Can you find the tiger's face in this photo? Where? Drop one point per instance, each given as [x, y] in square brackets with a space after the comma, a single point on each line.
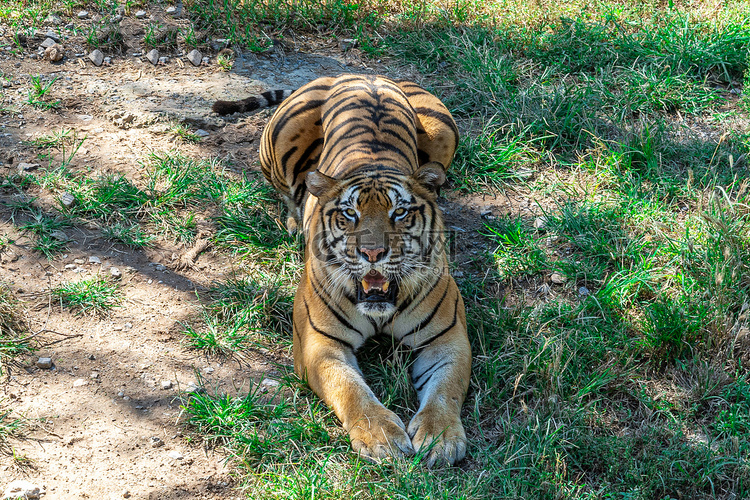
[380, 236]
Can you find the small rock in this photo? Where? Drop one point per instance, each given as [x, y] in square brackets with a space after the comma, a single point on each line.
[126, 494]
[21, 488]
[140, 14]
[540, 223]
[92, 357]
[192, 387]
[201, 133]
[127, 326]
[583, 291]
[557, 278]
[83, 14]
[171, 10]
[25, 167]
[205, 61]
[59, 235]
[96, 57]
[348, 43]
[195, 57]
[208, 369]
[153, 56]
[115, 272]
[137, 53]
[48, 42]
[121, 394]
[107, 61]
[116, 18]
[54, 53]
[163, 61]
[94, 375]
[95, 260]
[176, 455]
[67, 199]
[51, 34]
[79, 261]
[486, 213]
[166, 384]
[80, 382]
[156, 442]
[70, 266]
[44, 363]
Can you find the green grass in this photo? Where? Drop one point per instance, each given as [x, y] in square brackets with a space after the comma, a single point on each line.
[38, 94]
[14, 333]
[94, 295]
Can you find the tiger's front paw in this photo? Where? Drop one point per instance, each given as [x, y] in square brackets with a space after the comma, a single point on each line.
[440, 436]
[380, 434]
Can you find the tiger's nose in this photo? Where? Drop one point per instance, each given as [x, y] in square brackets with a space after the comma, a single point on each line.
[373, 254]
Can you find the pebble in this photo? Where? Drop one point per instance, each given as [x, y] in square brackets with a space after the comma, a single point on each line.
[107, 61]
[156, 442]
[126, 494]
[153, 56]
[25, 167]
[121, 394]
[115, 272]
[80, 382]
[163, 60]
[96, 57]
[48, 42]
[67, 199]
[208, 369]
[195, 57]
[192, 387]
[176, 455]
[54, 53]
[95, 260]
[79, 261]
[51, 34]
[171, 10]
[116, 18]
[128, 326]
[166, 384]
[583, 291]
[201, 133]
[540, 223]
[205, 61]
[20, 488]
[94, 375]
[83, 14]
[70, 266]
[557, 278]
[140, 14]
[348, 43]
[44, 363]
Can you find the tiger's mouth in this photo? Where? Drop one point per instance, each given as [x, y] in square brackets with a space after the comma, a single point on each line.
[374, 287]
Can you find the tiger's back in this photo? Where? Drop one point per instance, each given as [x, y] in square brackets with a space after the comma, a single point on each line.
[337, 124]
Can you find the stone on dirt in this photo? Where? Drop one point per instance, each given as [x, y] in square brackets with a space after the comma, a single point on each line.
[47, 43]
[153, 56]
[54, 53]
[166, 384]
[44, 363]
[176, 455]
[51, 34]
[80, 382]
[67, 199]
[83, 14]
[156, 442]
[195, 57]
[97, 57]
[115, 272]
[20, 488]
[140, 14]
[25, 167]
[557, 278]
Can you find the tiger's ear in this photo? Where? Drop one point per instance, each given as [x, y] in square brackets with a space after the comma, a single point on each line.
[319, 184]
[431, 175]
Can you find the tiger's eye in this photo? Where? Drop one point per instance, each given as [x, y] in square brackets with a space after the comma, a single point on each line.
[399, 212]
[351, 212]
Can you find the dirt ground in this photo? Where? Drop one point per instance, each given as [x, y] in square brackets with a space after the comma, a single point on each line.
[114, 387]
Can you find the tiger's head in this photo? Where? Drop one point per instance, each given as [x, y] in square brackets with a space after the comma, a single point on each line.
[379, 234]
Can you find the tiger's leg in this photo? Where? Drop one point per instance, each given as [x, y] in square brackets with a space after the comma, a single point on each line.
[331, 371]
[440, 375]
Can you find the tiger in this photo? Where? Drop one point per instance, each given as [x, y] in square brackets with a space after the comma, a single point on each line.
[359, 161]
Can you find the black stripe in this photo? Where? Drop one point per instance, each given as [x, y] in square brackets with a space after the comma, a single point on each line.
[425, 381]
[318, 330]
[443, 332]
[305, 162]
[291, 114]
[429, 317]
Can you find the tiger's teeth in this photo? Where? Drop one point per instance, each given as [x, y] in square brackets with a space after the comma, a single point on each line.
[385, 286]
[365, 286]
